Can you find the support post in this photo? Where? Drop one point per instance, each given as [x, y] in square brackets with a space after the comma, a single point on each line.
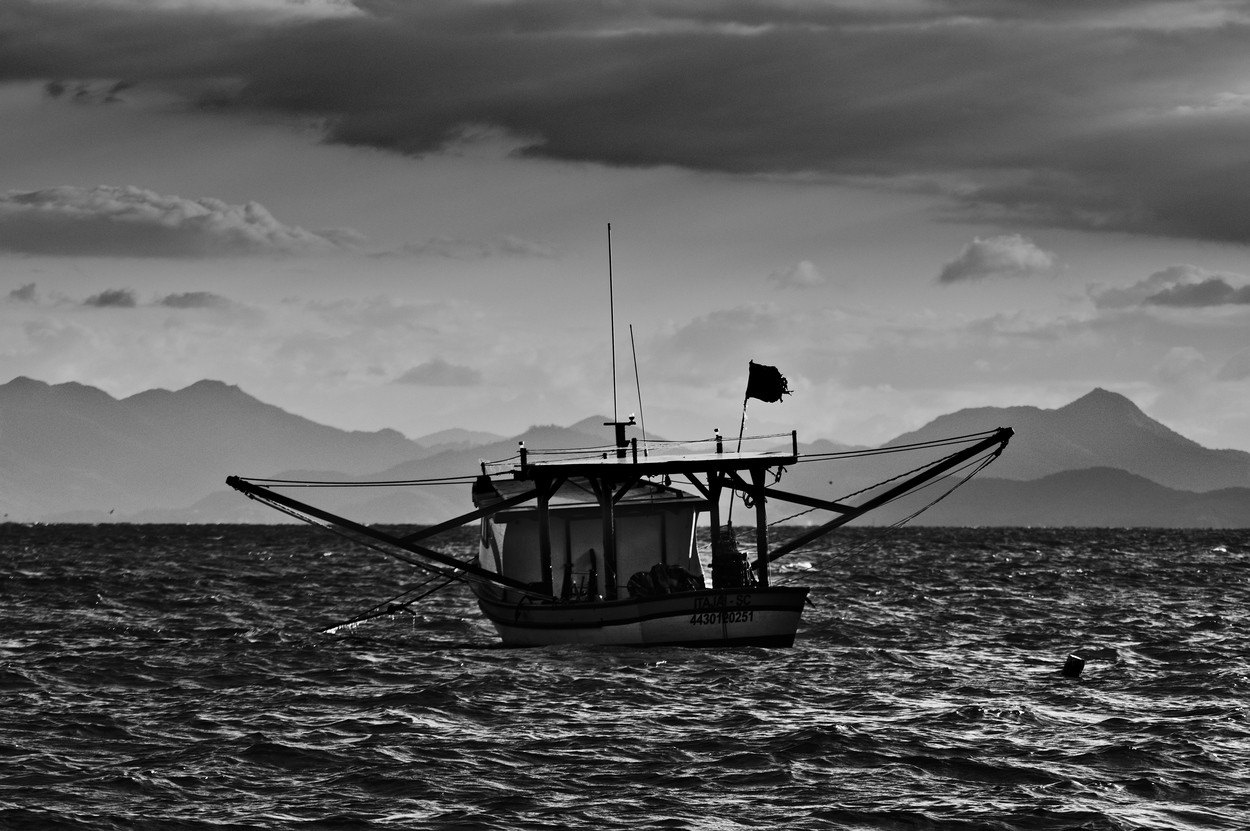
[603, 490]
[544, 536]
[713, 515]
[761, 526]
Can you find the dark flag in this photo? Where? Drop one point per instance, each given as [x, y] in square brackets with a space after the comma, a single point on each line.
[766, 383]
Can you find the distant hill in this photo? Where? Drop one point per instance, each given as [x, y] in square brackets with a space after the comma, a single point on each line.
[435, 504]
[457, 439]
[70, 448]
[1087, 441]
[1100, 429]
[71, 452]
[1095, 497]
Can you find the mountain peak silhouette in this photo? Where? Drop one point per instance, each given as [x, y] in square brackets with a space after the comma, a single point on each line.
[74, 451]
[1102, 401]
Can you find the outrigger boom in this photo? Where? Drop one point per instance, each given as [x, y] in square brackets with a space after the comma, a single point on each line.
[407, 543]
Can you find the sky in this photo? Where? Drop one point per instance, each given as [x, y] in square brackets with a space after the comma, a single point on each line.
[395, 214]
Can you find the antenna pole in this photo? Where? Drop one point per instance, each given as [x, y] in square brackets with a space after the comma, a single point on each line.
[612, 323]
[642, 419]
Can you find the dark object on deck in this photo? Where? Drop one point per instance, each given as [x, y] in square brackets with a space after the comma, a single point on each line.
[730, 568]
[662, 579]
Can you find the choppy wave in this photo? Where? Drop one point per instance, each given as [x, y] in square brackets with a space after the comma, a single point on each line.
[178, 678]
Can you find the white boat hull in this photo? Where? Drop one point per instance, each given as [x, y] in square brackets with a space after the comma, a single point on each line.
[711, 617]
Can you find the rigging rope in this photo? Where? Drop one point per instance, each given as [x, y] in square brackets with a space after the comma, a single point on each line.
[985, 461]
[895, 448]
[390, 606]
[981, 464]
[451, 574]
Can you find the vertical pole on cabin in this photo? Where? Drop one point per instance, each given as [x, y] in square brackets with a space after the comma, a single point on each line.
[544, 535]
[664, 537]
[603, 489]
[761, 526]
[566, 589]
[713, 513]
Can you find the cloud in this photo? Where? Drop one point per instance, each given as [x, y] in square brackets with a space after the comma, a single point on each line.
[1181, 286]
[803, 275]
[1214, 291]
[1237, 367]
[1125, 117]
[131, 222]
[440, 373]
[468, 249]
[1138, 293]
[86, 92]
[113, 299]
[25, 294]
[272, 8]
[1003, 256]
[1181, 365]
[717, 346]
[196, 300]
[129, 299]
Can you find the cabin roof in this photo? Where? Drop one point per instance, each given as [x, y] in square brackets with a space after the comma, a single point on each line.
[620, 468]
[577, 492]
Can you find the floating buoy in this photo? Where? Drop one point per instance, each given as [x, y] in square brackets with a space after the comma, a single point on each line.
[1072, 668]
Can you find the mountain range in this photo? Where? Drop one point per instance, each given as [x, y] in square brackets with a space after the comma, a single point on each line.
[73, 453]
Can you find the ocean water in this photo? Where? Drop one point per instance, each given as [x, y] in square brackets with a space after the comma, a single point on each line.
[156, 677]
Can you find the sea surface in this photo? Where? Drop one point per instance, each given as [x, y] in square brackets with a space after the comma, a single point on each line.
[177, 677]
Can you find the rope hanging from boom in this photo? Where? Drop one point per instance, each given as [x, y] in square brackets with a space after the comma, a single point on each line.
[390, 606]
[978, 465]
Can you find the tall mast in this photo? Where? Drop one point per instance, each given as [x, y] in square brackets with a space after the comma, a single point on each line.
[612, 324]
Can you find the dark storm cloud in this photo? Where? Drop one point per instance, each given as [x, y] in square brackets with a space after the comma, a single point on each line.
[1127, 116]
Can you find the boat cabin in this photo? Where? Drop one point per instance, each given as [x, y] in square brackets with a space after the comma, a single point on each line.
[654, 525]
[611, 525]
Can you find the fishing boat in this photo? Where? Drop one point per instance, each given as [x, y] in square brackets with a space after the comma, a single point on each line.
[599, 545]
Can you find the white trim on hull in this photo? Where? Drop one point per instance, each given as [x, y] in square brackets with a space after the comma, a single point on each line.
[712, 617]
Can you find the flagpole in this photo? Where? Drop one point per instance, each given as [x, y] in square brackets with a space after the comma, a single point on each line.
[742, 426]
[741, 429]
[642, 418]
[765, 383]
